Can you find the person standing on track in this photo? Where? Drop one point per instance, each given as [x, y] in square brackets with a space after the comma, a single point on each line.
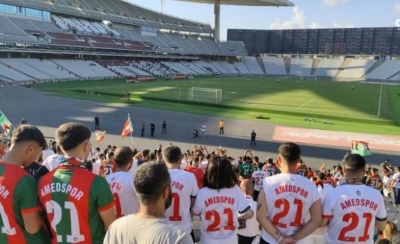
[142, 129]
[221, 127]
[96, 122]
[152, 129]
[253, 138]
[286, 199]
[352, 211]
[164, 127]
[79, 204]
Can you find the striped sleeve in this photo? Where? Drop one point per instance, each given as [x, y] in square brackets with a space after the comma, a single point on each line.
[105, 199]
[26, 193]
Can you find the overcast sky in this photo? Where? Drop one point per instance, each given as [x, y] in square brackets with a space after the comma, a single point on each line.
[305, 14]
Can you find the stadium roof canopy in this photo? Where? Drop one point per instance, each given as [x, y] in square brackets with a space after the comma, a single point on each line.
[266, 3]
[256, 3]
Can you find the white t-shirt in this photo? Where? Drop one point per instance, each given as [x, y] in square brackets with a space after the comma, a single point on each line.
[184, 187]
[396, 178]
[131, 229]
[289, 199]
[53, 161]
[203, 165]
[258, 177]
[183, 164]
[352, 210]
[386, 184]
[323, 192]
[96, 167]
[219, 211]
[123, 190]
[47, 153]
[252, 227]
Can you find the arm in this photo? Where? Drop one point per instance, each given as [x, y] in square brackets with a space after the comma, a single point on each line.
[380, 225]
[313, 223]
[105, 202]
[247, 215]
[33, 221]
[205, 149]
[107, 216]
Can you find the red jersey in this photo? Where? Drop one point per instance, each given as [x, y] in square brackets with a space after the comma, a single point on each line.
[375, 181]
[18, 196]
[107, 167]
[301, 170]
[73, 198]
[329, 181]
[271, 170]
[310, 174]
[198, 173]
[319, 183]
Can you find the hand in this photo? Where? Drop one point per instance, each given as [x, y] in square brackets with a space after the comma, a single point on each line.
[288, 240]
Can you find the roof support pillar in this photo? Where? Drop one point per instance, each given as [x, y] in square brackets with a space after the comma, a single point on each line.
[217, 19]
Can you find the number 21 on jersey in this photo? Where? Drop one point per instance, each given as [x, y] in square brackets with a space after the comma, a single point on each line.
[284, 205]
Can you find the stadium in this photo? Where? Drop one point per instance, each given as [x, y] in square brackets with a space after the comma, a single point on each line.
[328, 90]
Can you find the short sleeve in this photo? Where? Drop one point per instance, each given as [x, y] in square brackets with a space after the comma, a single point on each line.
[327, 207]
[381, 214]
[316, 195]
[26, 192]
[195, 187]
[394, 177]
[241, 201]
[105, 200]
[198, 204]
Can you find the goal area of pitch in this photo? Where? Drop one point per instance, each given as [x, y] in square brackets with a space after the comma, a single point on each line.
[200, 94]
[305, 77]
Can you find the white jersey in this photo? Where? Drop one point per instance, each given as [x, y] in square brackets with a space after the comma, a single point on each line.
[289, 199]
[184, 187]
[219, 213]
[258, 177]
[396, 178]
[352, 210]
[53, 161]
[252, 227]
[47, 153]
[96, 167]
[123, 190]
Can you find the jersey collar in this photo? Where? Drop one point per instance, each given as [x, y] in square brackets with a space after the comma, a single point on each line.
[72, 162]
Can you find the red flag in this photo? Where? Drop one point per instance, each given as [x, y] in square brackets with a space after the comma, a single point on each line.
[128, 128]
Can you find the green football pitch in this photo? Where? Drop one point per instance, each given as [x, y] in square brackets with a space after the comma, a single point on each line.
[340, 106]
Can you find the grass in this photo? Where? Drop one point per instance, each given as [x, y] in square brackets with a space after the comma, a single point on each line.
[278, 101]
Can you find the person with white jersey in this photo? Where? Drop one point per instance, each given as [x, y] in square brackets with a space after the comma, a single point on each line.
[121, 183]
[258, 177]
[396, 187]
[353, 210]
[184, 190]
[219, 202]
[249, 232]
[53, 161]
[324, 189]
[285, 201]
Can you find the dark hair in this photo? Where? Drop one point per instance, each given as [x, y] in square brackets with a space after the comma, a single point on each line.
[123, 156]
[290, 152]
[260, 165]
[383, 241]
[257, 159]
[355, 162]
[150, 180]
[219, 174]
[145, 153]
[70, 135]
[110, 154]
[89, 166]
[172, 154]
[25, 133]
[321, 175]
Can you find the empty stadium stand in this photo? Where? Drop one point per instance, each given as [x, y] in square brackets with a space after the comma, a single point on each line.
[355, 68]
[85, 69]
[253, 65]
[275, 66]
[384, 71]
[301, 66]
[328, 67]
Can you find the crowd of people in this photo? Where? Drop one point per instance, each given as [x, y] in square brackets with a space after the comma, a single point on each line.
[66, 192]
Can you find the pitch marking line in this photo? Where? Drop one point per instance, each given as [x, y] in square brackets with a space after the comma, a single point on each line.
[304, 104]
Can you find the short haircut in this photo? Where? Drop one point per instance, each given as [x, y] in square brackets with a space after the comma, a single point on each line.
[71, 135]
[383, 241]
[110, 154]
[219, 174]
[256, 159]
[123, 156]
[28, 133]
[355, 162]
[290, 152]
[172, 154]
[150, 181]
[321, 175]
[145, 153]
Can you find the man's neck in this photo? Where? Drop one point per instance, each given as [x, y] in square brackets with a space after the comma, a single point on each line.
[12, 158]
[172, 166]
[151, 211]
[287, 169]
[120, 170]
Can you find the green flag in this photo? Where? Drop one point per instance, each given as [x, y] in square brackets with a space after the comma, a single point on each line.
[5, 124]
[360, 148]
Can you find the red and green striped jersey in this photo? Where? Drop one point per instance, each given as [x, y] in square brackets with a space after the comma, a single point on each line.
[73, 197]
[18, 196]
[107, 168]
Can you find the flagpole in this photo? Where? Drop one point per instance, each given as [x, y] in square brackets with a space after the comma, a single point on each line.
[129, 117]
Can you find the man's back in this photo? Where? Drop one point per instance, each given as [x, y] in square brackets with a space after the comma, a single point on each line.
[258, 177]
[107, 167]
[301, 170]
[17, 197]
[184, 187]
[352, 210]
[289, 198]
[245, 169]
[271, 170]
[121, 185]
[73, 197]
[131, 229]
